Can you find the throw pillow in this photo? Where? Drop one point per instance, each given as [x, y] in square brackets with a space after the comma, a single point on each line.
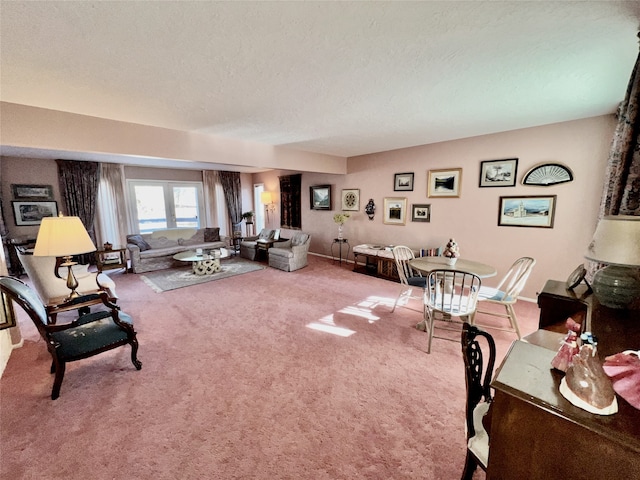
[139, 241]
[212, 234]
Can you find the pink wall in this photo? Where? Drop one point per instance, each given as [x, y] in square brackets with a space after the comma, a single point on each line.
[581, 145]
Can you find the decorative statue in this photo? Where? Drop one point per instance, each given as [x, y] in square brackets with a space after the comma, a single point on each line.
[370, 209]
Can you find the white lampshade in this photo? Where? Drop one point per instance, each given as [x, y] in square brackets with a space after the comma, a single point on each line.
[265, 198]
[616, 241]
[62, 236]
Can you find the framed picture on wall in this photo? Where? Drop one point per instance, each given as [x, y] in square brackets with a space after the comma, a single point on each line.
[395, 210]
[320, 197]
[420, 212]
[32, 192]
[499, 173]
[444, 183]
[403, 182]
[351, 199]
[527, 211]
[7, 313]
[32, 213]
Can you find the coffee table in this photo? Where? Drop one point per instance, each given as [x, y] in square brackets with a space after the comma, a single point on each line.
[204, 263]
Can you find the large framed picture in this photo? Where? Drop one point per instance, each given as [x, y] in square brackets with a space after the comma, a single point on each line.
[351, 199]
[395, 210]
[420, 212]
[527, 211]
[320, 197]
[403, 182]
[499, 173]
[32, 192]
[32, 213]
[444, 183]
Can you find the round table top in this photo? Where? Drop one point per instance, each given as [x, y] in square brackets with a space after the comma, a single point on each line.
[427, 264]
[192, 256]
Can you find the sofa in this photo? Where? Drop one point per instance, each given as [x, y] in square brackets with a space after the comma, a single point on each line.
[291, 254]
[155, 250]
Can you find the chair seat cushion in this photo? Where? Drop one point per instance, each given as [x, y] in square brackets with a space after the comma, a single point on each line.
[417, 281]
[281, 252]
[94, 331]
[479, 443]
[493, 294]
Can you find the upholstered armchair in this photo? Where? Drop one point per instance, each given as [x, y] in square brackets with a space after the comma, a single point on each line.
[249, 246]
[291, 254]
[42, 275]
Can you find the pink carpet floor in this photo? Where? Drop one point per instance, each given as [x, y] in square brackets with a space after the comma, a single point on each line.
[267, 375]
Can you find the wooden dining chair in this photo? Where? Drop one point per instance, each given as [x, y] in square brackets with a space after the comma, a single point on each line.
[450, 298]
[408, 277]
[506, 294]
[478, 367]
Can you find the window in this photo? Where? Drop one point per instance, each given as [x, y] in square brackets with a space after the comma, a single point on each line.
[161, 205]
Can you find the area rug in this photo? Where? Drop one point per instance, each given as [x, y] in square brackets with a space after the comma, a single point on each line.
[170, 279]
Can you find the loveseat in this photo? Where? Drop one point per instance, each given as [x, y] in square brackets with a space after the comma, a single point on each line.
[155, 250]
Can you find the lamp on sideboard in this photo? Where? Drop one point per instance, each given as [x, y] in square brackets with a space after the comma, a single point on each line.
[616, 243]
[267, 199]
[64, 237]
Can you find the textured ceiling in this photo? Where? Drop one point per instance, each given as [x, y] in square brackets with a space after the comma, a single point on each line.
[341, 78]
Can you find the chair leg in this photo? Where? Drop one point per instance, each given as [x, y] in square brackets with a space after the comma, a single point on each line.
[57, 383]
[470, 465]
[404, 293]
[513, 319]
[134, 354]
[429, 326]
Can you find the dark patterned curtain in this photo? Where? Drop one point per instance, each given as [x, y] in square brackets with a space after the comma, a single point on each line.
[621, 195]
[79, 190]
[233, 195]
[291, 201]
[3, 230]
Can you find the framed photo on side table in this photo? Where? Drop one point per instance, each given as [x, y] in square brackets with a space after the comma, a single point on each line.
[499, 173]
[395, 210]
[527, 211]
[420, 212]
[320, 197]
[351, 199]
[444, 183]
[32, 213]
[403, 182]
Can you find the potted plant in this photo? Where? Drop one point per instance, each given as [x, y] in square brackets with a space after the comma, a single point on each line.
[340, 218]
[248, 216]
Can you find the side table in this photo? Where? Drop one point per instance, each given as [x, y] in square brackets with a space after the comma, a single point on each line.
[111, 259]
[340, 243]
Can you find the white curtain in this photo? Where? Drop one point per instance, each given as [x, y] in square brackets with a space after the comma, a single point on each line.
[111, 214]
[215, 203]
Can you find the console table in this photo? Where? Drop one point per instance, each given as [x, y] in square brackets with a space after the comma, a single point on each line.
[536, 433]
[378, 261]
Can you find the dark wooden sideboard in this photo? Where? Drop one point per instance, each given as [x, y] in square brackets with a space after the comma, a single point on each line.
[537, 434]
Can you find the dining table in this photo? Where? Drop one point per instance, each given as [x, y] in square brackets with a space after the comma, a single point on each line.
[428, 264]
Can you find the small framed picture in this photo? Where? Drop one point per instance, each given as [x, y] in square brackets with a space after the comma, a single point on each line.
[320, 197]
[527, 211]
[351, 199]
[499, 173]
[403, 182]
[444, 183]
[32, 213]
[32, 192]
[395, 210]
[420, 212]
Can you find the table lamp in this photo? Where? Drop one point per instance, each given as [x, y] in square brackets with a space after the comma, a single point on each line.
[63, 237]
[617, 244]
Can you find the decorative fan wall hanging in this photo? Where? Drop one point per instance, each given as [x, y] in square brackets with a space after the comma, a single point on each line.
[547, 174]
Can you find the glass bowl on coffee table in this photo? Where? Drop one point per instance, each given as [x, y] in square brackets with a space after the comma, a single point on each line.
[204, 263]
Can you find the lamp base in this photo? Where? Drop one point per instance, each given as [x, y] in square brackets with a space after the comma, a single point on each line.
[72, 282]
[616, 287]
